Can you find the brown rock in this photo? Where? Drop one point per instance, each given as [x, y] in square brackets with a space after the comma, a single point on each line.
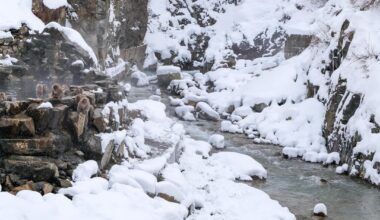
[28, 186]
[17, 126]
[29, 167]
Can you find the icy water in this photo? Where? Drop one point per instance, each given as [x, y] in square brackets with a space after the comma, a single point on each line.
[21, 88]
[294, 183]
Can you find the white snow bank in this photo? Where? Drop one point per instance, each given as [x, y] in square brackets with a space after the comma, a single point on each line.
[320, 209]
[45, 105]
[115, 203]
[185, 112]
[163, 70]
[217, 141]
[241, 166]
[75, 37]
[85, 170]
[16, 12]
[54, 4]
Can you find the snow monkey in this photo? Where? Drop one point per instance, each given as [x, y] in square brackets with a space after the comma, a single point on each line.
[57, 92]
[41, 90]
[3, 97]
[66, 90]
[84, 105]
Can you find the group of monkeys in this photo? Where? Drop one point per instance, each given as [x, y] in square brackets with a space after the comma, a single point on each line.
[58, 92]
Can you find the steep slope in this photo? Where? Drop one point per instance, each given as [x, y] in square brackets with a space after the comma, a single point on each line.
[302, 75]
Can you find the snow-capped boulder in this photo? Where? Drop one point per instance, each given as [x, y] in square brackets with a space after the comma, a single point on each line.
[165, 74]
[206, 112]
[320, 209]
[217, 141]
[185, 112]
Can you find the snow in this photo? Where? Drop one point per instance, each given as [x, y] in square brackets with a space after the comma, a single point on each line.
[141, 78]
[217, 141]
[16, 12]
[8, 61]
[242, 167]
[75, 37]
[45, 105]
[185, 112]
[319, 209]
[341, 169]
[85, 170]
[163, 70]
[54, 4]
[207, 110]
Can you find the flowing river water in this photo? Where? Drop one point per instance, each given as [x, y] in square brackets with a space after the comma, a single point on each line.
[296, 184]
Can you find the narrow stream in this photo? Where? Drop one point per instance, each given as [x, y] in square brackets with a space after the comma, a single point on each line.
[294, 183]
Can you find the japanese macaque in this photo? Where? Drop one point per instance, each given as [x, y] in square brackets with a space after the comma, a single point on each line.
[78, 91]
[66, 90]
[57, 92]
[3, 97]
[84, 106]
[41, 90]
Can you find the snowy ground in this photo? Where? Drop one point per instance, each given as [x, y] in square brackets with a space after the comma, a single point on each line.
[198, 184]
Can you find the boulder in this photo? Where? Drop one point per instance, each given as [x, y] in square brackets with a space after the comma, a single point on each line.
[259, 107]
[107, 155]
[18, 126]
[165, 74]
[295, 44]
[206, 112]
[30, 167]
[92, 147]
[41, 117]
[58, 114]
[98, 120]
[52, 144]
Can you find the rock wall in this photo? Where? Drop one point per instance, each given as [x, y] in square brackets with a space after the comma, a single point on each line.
[111, 27]
[40, 146]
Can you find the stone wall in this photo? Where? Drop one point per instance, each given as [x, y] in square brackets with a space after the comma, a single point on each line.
[40, 147]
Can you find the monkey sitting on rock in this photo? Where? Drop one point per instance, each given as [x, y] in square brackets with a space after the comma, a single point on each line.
[57, 92]
[41, 90]
[84, 105]
[3, 97]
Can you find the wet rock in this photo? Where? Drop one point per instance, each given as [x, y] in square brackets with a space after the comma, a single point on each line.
[41, 117]
[107, 155]
[58, 114]
[165, 74]
[64, 183]
[35, 146]
[93, 147]
[28, 186]
[259, 107]
[115, 94]
[98, 120]
[206, 112]
[17, 126]
[77, 124]
[47, 188]
[295, 44]
[34, 168]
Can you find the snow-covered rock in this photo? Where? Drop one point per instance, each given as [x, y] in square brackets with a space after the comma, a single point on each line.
[85, 170]
[217, 141]
[320, 209]
[185, 112]
[206, 112]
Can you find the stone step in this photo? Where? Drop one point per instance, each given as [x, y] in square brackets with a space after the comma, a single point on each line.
[30, 167]
[18, 126]
[49, 145]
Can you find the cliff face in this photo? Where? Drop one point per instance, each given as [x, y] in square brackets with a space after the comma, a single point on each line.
[111, 27]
